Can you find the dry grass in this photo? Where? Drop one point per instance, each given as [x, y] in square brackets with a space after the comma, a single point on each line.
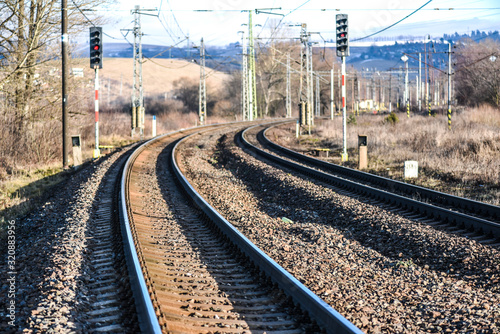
[158, 77]
[19, 193]
[464, 161]
[25, 186]
[26, 174]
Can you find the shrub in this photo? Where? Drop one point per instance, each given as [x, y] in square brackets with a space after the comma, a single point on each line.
[392, 118]
[352, 120]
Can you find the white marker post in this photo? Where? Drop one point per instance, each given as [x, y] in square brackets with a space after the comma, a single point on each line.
[153, 127]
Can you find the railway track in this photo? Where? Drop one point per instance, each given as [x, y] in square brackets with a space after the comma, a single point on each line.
[476, 220]
[194, 272]
[112, 309]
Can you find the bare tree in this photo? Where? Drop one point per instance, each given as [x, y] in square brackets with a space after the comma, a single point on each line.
[477, 78]
[29, 40]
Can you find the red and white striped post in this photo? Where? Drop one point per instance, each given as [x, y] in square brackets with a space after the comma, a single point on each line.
[97, 153]
[344, 121]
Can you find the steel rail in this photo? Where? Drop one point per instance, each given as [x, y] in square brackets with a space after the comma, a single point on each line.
[146, 314]
[469, 222]
[478, 208]
[148, 321]
[318, 310]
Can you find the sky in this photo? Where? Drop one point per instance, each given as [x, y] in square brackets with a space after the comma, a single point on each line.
[218, 22]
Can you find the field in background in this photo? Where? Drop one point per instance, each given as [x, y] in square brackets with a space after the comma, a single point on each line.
[158, 78]
[464, 161]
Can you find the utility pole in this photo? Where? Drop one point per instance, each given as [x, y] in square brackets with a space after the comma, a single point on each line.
[288, 88]
[332, 91]
[449, 85]
[317, 97]
[407, 93]
[419, 82]
[252, 85]
[203, 92]
[64, 72]
[109, 89]
[305, 78]
[137, 88]
[310, 86]
[429, 95]
[390, 92]
[137, 98]
[245, 107]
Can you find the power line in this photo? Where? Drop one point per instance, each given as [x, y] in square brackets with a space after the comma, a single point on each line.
[392, 25]
[317, 9]
[89, 21]
[175, 19]
[279, 23]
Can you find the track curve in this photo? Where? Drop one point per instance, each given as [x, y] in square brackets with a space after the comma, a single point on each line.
[478, 220]
[202, 277]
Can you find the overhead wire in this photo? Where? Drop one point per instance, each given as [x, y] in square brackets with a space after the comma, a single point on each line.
[281, 20]
[392, 25]
[175, 19]
[161, 22]
[90, 21]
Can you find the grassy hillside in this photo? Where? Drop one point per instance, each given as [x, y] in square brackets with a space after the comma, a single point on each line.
[158, 77]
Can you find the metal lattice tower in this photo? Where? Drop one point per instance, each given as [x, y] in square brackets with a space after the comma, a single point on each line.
[202, 92]
[305, 96]
[137, 90]
[252, 85]
[245, 103]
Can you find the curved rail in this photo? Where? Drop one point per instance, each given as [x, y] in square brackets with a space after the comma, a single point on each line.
[145, 310]
[318, 310]
[479, 208]
[148, 320]
[469, 222]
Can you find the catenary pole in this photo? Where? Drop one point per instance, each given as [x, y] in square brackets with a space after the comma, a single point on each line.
[140, 120]
[252, 84]
[419, 82]
[202, 91]
[449, 85]
[64, 73]
[331, 94]
[288, 88]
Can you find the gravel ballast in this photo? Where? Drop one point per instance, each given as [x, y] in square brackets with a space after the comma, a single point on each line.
[52, 258]
[383, 272]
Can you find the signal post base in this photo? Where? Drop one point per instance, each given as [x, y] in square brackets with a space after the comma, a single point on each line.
[96, 154]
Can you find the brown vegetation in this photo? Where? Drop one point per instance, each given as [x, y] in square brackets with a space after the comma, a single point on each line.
[464, 161]
[478, 73]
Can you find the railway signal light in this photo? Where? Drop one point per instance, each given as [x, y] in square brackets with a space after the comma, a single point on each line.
[342, 35]
[96, 47]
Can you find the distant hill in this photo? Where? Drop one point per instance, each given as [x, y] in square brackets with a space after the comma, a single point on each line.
[223, 59]
[378, 53]
[158, 77]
